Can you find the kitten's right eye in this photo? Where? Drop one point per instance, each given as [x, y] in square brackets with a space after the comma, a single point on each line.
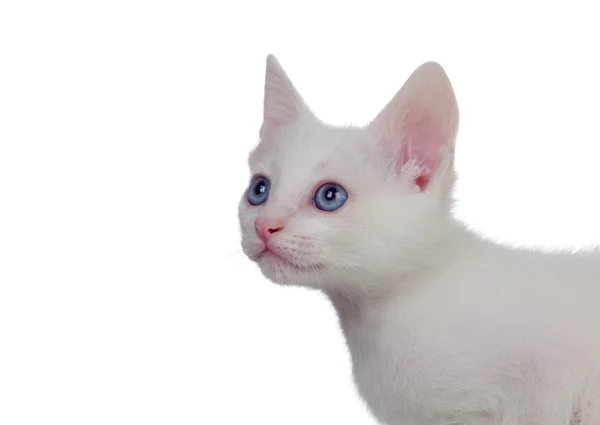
[258, 192]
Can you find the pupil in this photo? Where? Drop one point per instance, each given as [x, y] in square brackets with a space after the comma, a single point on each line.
[259, 188]
[330, 195]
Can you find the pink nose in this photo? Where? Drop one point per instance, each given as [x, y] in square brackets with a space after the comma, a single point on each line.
[265, 227]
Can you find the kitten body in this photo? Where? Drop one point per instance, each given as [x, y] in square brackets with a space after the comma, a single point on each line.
[443, 326]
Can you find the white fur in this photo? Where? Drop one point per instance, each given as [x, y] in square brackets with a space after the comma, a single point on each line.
[443, 326]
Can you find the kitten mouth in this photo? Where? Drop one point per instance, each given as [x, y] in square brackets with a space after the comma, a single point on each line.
[278, 260]
[273, 257]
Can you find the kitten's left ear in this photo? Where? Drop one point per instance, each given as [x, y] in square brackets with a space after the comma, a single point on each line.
[420, 123]
[282, 103]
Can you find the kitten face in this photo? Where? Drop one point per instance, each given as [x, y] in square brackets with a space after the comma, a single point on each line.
[320, 248]
[332, 206]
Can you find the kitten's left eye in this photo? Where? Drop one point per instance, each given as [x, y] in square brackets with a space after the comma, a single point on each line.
[330, 197]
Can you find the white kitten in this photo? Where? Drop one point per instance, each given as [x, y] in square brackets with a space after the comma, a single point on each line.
[443, 327]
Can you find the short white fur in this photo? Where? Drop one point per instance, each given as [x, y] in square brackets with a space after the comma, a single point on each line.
[443, 326]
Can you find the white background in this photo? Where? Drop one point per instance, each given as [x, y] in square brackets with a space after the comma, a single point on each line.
[124, 131]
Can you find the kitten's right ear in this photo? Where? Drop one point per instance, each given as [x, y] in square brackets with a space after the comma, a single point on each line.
[282, 103]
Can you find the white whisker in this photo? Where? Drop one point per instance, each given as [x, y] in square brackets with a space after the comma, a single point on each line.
[237, 252]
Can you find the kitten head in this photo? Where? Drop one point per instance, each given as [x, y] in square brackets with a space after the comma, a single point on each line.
[349, 207]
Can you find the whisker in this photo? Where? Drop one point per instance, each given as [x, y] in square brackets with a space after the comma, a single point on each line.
[316, 276]
[346, 269]
[236, 252]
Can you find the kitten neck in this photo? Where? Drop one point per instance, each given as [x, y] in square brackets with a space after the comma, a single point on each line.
[454, 242]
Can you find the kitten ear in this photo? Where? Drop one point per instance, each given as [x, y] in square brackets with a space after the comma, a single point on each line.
[420, 123]
[282, 102]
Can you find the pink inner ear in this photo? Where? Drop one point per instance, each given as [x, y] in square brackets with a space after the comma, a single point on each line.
[421, 142]
[420, 122]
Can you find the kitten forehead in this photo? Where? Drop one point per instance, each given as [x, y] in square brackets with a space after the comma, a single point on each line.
[307, 148]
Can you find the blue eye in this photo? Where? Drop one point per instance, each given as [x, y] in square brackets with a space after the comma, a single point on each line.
[258, 192]
[330, 197]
